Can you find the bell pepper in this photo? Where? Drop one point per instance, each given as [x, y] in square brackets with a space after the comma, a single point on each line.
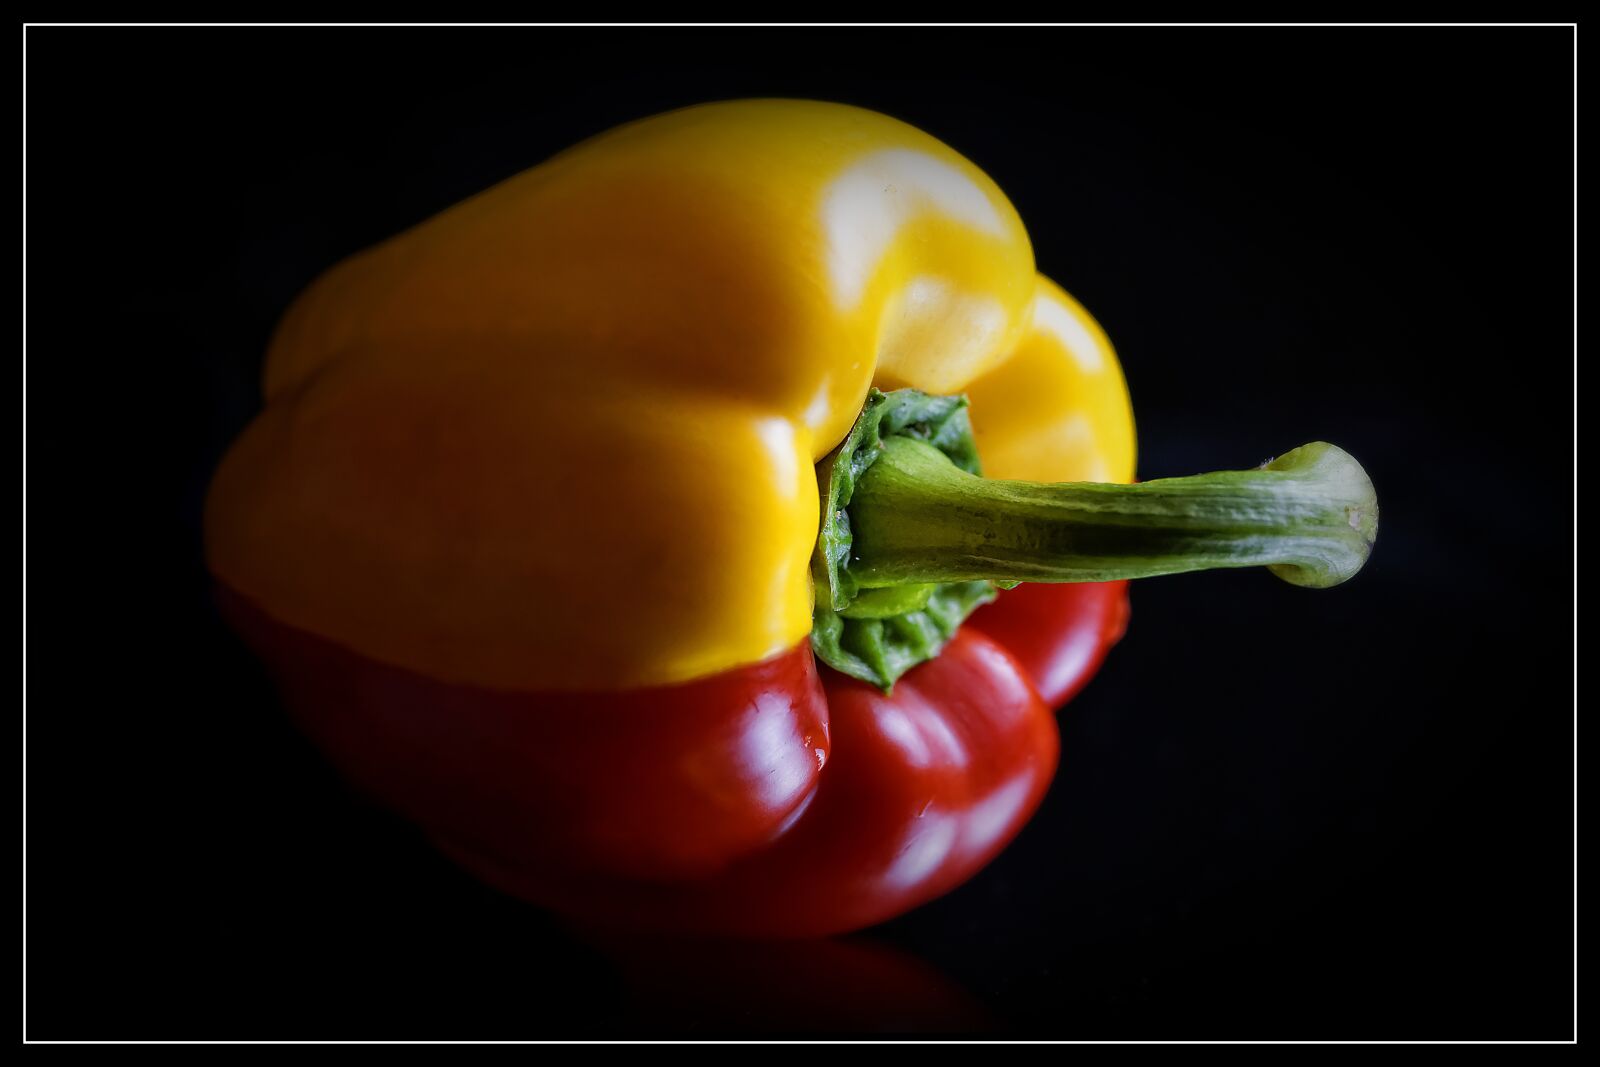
[623, 525]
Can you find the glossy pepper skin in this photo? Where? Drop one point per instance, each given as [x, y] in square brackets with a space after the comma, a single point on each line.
[524, 528]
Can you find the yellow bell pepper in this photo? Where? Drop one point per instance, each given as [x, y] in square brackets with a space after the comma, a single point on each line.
[654, 413]
[563, 434]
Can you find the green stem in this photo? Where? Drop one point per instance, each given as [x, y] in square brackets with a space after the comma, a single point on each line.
[912, 540]
[1309, 516]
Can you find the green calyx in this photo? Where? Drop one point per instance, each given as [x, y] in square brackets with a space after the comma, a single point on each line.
[913, 539]
[877, 634]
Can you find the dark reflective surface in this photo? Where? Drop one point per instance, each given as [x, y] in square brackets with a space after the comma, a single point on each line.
[806, 988]
[1278, 814]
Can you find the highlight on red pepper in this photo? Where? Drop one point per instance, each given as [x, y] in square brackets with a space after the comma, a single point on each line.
[649, 528]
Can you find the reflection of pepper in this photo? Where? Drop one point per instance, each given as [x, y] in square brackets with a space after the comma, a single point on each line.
[688, 987]
[527, 527]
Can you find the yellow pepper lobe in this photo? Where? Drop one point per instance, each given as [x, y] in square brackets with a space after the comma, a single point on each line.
[1057, 410]
[479, 525]
[562, 435]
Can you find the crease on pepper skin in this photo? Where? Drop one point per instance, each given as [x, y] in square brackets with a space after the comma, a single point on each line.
[675, 319]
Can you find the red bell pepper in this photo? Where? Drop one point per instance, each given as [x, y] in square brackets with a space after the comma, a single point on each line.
[779, 799]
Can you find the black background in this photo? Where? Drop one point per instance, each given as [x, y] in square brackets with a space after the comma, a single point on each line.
[1280, 814]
